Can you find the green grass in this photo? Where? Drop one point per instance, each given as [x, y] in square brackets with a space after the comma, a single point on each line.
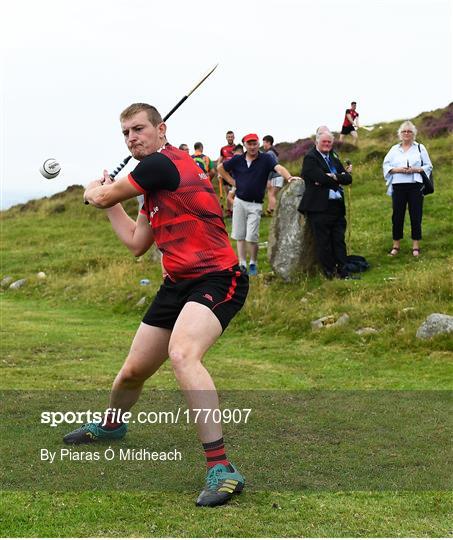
[71, 351]
[89, 514]
[71, 332]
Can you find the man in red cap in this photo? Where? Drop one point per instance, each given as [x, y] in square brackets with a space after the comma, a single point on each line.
[251, 171]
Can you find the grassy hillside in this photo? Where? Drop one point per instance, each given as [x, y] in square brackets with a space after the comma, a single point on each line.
[71, 332]
[85, 263]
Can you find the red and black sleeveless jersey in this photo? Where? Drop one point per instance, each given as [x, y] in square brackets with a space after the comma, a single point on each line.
[185, 214]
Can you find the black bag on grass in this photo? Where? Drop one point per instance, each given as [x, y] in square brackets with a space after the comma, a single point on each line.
[356, 263]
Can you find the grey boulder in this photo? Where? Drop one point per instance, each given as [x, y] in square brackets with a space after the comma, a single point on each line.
[435, 324]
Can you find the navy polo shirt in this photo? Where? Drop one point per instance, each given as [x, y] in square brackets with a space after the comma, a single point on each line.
[251, 181]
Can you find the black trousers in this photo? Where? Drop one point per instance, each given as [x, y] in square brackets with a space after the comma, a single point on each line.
[407, 195]
[329, 228]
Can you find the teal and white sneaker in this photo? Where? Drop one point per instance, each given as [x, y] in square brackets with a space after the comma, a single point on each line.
[222, 482]
[91, 432]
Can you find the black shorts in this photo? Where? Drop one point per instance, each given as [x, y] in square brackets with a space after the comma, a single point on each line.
[346, 130]
[224, 293]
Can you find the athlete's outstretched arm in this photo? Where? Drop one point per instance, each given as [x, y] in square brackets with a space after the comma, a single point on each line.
[137, 236]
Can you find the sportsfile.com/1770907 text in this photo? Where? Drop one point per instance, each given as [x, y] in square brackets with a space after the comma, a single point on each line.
[179, 415]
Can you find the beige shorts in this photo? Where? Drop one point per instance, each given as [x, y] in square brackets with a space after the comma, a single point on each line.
[246, 220]
[278, 181]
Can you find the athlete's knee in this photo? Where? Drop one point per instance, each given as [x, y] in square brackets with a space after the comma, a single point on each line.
[131, 376]
[182, 358]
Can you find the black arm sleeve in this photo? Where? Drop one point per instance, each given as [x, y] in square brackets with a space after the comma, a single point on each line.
[155, 172]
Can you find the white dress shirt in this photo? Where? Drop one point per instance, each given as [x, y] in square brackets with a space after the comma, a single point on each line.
[397, 157]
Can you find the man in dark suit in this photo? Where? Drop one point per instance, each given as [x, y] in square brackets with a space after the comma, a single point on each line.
[323, 203]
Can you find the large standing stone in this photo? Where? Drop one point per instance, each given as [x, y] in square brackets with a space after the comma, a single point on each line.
[291, 246]
[436, 323]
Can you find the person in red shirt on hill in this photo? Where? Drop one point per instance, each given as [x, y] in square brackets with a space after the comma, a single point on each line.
[350, 123]
[202, 291]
